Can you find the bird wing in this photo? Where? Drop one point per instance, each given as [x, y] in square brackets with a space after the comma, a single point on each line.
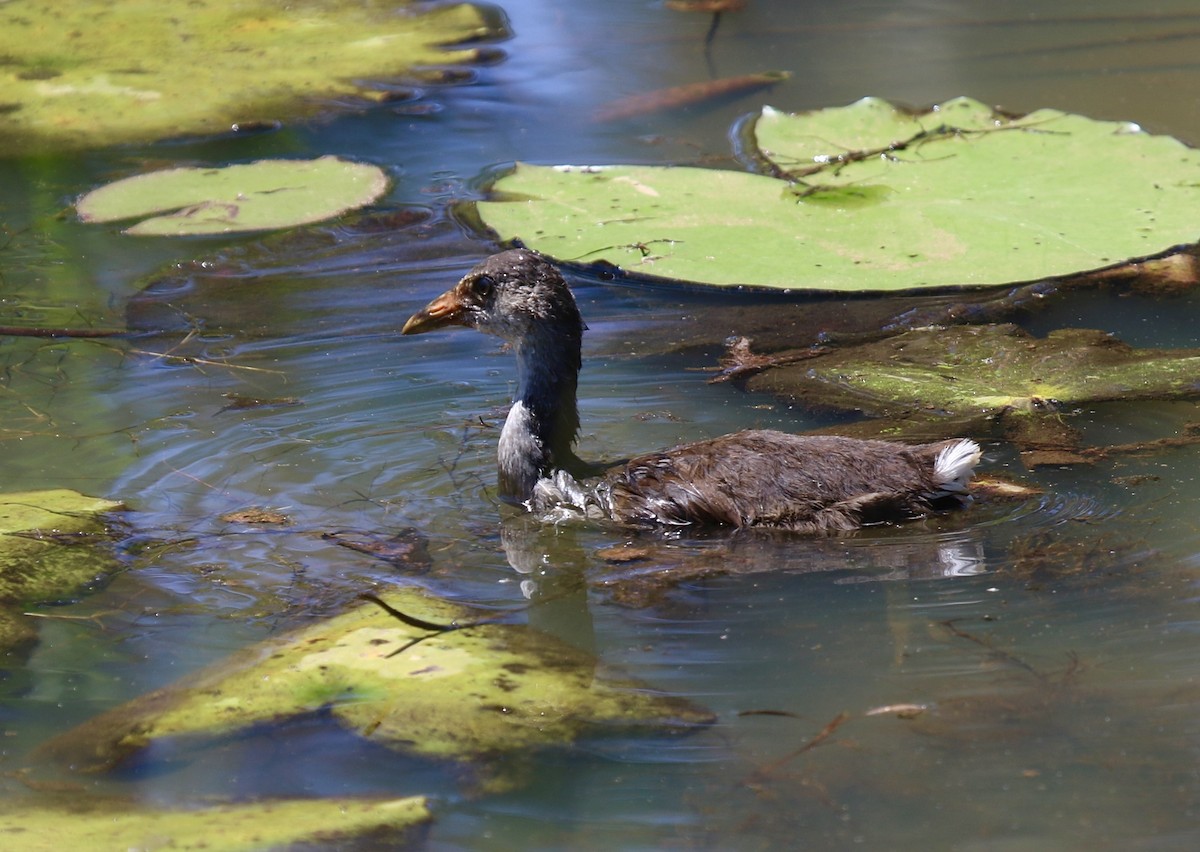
[765, 478]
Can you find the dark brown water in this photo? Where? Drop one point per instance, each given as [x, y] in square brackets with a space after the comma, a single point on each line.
[1052, 644]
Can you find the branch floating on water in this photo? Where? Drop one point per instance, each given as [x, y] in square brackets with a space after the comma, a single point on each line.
[690, 94]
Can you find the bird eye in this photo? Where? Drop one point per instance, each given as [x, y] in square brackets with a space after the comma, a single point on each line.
[483, 285]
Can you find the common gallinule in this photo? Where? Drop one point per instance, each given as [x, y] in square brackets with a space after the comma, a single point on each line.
[756, 478]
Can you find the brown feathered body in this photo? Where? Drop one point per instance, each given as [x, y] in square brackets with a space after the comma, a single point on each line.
[773, 479]
[756, 478]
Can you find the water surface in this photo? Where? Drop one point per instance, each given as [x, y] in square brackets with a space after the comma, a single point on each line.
[1050, 644]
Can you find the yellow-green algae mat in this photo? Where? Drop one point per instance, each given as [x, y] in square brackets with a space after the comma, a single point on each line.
[872, 198]
[966, 371]
[461, 694]
[45, 552]
[104, 825]
[96, 72]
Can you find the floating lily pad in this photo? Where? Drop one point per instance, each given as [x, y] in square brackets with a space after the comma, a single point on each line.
[870, 198]
[253, 197]
[102, 824]
[45, 552]
[967, 371]
[462, 694]
[93, 72]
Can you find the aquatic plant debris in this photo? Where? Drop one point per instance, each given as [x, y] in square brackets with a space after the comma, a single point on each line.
[45, 553]
[462, 694]
[92, 72]
[869, 197]
[687, 95]
[258, 196]
[707, 6]
[104, 824]
[966, 371]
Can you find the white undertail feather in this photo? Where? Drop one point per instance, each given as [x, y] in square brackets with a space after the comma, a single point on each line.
[953, 466]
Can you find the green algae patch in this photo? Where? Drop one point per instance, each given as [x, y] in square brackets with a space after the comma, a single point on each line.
[968, 371]
[263, 195]
[871, 198]
[92, 72]
[461, 694]
[16, 631]
[105, 825]
[48, 552]
[65, 319]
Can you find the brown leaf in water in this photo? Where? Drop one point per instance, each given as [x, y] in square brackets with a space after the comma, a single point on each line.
[677, 97]
[405, 549]
[623, 553]
[254, 516]
[244, 403]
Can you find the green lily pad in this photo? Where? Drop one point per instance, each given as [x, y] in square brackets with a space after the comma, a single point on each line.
[45, 553]
[102, 824]
[870, 198]
[968, 371]
[253, 197]
[93, 72]
[461, 694]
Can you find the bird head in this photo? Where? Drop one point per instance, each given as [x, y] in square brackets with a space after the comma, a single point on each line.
[513, 295]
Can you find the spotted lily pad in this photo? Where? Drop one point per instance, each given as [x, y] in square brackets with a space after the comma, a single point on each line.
[461, 694]
[967, 371]
[252, 197]
[870, 198]
[94, 72]
[104, 824]
[46, 552]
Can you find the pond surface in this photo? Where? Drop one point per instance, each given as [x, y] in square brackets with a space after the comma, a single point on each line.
[1044, 652]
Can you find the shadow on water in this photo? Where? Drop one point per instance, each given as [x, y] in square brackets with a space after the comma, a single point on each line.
[1021, 674]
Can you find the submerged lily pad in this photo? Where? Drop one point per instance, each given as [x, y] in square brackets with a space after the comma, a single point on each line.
[94, 72]
[45, 552]
[870, 198]
[252, 197]
[461, 694]
[102, 824]
[65, 319]
[967, 371]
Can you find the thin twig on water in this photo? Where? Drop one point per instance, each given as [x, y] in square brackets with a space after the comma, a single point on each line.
[764, 772]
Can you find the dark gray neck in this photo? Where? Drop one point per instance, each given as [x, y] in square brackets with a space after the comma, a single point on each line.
[544, 418]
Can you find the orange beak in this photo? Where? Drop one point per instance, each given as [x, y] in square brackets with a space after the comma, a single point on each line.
[446, 309]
